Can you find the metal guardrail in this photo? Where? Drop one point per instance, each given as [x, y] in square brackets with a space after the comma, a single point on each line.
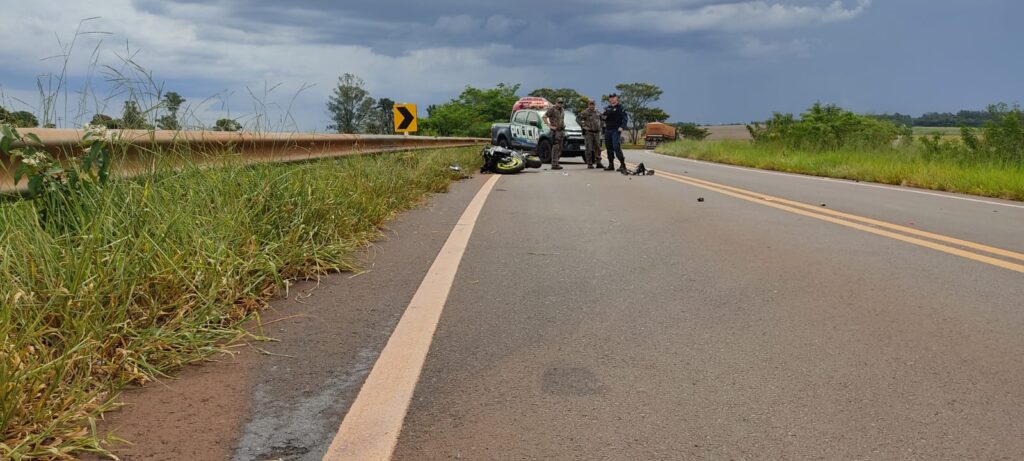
[207, 146]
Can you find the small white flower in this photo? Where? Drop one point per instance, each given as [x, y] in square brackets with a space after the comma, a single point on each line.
[98, 131]
[30, 161]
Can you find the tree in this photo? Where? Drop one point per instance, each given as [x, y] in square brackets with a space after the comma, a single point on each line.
[350, 105]
[647, 115]
[384, 116]
[18, 119]
[574, 101]
[172, 102]
[22, 119]
[105, 120]
[227, 124]
[132, 118]
[636, 99]
[472, 113]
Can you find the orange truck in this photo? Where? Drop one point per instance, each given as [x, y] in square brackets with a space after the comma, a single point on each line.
[656, 133]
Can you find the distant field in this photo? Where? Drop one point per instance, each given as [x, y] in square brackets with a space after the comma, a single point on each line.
[723, 132]
[739, 132]
[940, 130]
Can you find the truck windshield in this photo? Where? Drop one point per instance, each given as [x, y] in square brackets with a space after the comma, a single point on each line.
[570, 121]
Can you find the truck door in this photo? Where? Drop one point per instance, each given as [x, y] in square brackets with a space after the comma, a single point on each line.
[518, 128]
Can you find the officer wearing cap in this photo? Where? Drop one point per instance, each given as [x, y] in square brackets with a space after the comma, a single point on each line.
[590, 121]
[555, 118]
[615, 119]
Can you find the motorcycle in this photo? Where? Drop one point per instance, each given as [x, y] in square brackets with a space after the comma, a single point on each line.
[506, 161]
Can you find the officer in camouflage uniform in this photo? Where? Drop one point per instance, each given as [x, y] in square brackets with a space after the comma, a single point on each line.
[555, 118]
[590, 121]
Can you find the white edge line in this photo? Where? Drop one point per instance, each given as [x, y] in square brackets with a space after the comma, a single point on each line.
[370, 429]
[839, 181]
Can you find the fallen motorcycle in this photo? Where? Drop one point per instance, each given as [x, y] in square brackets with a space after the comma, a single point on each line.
[506, 161]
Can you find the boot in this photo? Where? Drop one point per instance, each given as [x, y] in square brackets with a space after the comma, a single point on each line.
[611, 166]
[599, 164]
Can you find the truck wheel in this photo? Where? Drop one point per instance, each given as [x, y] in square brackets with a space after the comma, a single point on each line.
[544, 151]
[503, 142]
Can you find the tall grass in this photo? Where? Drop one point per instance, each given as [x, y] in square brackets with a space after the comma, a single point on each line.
[161, 270]
[907, 166]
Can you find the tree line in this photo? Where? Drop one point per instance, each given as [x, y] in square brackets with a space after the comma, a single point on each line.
[471, 113]
[971, 118]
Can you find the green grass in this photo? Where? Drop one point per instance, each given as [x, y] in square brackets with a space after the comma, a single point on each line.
[165, 268]
[903, 166]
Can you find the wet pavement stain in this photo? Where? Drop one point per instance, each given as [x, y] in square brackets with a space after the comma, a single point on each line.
[571, 382]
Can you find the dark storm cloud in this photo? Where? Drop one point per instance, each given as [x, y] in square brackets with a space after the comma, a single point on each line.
[718, 61]
[393, 27]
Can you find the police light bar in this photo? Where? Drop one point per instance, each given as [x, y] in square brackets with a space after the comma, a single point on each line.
[531, 102]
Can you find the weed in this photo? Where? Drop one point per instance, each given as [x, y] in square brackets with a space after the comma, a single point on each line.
[160, 270]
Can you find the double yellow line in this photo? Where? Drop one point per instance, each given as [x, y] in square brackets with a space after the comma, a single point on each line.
[954, 246]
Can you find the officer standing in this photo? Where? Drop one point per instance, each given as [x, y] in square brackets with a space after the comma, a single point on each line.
[555, 118]
[615, 119]
[590, 121]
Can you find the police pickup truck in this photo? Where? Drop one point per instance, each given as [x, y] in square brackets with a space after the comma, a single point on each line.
[526, 130]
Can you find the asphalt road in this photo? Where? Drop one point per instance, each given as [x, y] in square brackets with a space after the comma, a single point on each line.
[599, 316]
[596, 316]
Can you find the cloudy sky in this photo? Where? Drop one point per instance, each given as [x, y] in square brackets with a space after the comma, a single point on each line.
[718, 61]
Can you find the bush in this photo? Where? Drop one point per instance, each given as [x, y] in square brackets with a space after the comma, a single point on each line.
[827, 128]
[1001, 142]
[227, 124]
[1004, 136]
[18, 119]
[692, 131]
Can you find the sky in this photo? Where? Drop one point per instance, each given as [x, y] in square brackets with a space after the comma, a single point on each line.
[273, 64]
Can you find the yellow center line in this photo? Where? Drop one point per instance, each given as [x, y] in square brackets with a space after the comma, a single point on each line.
[373, 423]
[875, 222]
[834, 217]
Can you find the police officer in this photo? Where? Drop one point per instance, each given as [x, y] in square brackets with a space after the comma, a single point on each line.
[590, 121]
[555, 118]
[615, 119]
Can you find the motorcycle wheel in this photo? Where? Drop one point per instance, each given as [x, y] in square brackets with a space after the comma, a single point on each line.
[512, 165]
[533, 161]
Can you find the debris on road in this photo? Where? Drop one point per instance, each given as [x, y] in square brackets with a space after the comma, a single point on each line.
[640, 170]
[700, 199]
